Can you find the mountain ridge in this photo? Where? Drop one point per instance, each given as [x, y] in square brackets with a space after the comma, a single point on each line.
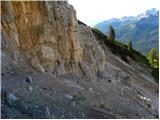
[138, 29]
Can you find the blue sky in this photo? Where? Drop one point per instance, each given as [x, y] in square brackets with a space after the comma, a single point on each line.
[94, 11]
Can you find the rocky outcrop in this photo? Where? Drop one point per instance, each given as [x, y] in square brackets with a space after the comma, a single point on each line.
[46, 36]
[82, 74]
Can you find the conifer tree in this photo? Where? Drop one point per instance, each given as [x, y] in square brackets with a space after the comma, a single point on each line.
[130, 45]
[111, 33]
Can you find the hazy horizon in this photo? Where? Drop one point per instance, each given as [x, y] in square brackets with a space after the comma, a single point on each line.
[92, 12]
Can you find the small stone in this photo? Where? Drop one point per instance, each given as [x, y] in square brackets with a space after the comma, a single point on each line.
[121, 93]
[109, 81]
[22, 106]
[126, 81]
[157, 116]
[62, 117]
[36, 106]
[53, 75]
[48, 114]
[68, 96]
[2, 74]
[30, 88]
[137, 114]
[102, 105]
[73, 104]
[29, 79]
[157, 90]
[12, 72]
[11, 99]
[149, 105]
[40, 68]
[91, 89]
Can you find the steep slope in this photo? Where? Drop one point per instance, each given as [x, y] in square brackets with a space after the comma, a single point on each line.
[142, 30]
[54, 66]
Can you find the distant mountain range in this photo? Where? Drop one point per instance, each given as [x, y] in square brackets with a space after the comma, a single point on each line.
[142, 30]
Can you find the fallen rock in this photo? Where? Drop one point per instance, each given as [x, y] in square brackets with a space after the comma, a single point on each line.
[23, 107]
[40, 68]
[29, 79]
[102, 106]
[36, 107]
[109, 81]
[11, 99]
[149, 105]
[68, 96]
[2, 74]
[53, 75]
[48, 114]
[91, 89]
[126, 81]
[30, 88]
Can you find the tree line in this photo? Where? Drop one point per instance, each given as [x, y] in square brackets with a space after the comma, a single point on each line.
[152, 55]
[112, 36]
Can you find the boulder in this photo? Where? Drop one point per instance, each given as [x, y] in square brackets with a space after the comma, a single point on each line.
[11, 99]
[126, 81]
[29, 79]
[30, 88]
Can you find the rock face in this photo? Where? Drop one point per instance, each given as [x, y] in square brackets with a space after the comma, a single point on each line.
[46, 36]
[54, 66]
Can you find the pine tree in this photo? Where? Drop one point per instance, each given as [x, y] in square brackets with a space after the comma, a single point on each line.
[130, 45]
[111, 33]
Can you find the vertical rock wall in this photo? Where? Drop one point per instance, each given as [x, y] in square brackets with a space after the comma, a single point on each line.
[46, 36]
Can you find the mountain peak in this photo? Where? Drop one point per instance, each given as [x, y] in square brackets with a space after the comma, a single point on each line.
[136, 28]
[152, 11]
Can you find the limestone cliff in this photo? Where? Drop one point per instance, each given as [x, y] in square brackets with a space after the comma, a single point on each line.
[54, 66]
[46, 36]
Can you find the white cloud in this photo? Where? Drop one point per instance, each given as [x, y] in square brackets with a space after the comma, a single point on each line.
[93, 11]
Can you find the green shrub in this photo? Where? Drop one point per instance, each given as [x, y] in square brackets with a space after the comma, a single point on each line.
[152, 56]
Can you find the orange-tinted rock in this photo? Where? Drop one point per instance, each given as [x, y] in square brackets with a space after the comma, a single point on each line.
[46, 36]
